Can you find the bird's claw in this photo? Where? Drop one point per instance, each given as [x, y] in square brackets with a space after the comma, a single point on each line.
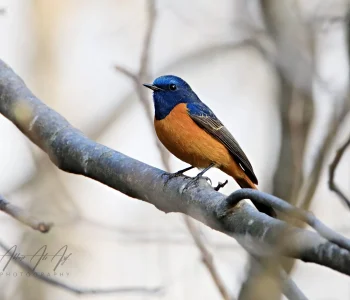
[220, 185]
[207, 179]
[194, 180]
[171, 176]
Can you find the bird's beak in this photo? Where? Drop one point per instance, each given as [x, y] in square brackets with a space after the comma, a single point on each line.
[152, 87]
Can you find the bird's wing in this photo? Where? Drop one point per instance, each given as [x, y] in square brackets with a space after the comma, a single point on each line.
[206, 119]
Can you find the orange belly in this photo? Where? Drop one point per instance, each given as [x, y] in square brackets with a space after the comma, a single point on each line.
[188, 142]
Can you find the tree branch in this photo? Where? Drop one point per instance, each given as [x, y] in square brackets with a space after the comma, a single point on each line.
[72, 152]
[333, 166]
[288, 209]
[23, 216]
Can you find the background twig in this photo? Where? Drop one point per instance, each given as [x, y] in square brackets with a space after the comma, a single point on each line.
[206, 257]
[333, 166]
[23, 216]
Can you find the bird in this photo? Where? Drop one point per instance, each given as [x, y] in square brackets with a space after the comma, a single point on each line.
[192, 132]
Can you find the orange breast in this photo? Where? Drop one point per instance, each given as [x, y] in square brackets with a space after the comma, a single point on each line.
[188, 142]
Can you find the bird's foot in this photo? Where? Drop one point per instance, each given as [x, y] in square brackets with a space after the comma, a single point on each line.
[220, 185]
[170, 176]
[176, 174]
[194, 180]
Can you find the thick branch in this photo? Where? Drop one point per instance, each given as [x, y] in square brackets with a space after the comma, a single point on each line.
[72, 152]
[288, 209]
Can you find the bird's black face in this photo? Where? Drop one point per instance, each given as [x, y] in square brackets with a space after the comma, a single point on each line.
[169, 91]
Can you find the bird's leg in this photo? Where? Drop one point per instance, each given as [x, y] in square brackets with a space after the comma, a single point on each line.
[199, 175]
[177, 174]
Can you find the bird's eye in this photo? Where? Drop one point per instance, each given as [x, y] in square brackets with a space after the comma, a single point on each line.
[172, 87]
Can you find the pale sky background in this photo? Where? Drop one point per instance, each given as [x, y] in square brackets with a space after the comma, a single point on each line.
[65, 51]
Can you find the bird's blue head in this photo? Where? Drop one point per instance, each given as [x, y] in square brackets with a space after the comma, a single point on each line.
[169, 91]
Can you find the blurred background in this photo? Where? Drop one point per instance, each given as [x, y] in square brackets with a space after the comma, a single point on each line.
[275, 72]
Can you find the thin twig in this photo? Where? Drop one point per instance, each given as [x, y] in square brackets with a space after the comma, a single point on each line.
[315, 174]
[77, 290]
[290, 289]
[206, 257]
[261, 281]
[288, 209]
[333, 166]
[142, 76]
[145, 55]
[23, 216]
[126, 72]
